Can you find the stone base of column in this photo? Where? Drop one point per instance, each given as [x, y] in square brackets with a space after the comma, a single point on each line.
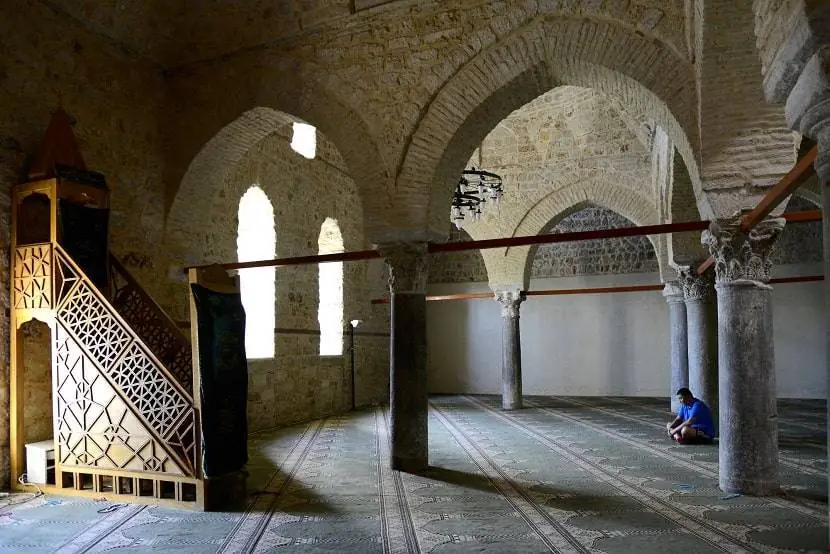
[510, 404]
[409, 465]
[749, 485]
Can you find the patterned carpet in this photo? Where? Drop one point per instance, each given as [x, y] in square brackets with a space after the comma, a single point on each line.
[571, 474]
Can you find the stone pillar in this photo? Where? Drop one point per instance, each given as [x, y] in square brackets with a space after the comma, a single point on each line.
[511, 347]
[408, 400]
[678, 341]
[808, 111]
[702, 323]
[800, 74]
[748, 422]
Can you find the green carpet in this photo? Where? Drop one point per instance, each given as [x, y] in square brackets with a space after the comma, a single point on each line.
[575, 474]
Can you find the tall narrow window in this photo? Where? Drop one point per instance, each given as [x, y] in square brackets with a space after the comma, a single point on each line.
[256, 240]
[330, 311]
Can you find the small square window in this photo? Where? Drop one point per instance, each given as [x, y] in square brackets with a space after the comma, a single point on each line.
[304, 141]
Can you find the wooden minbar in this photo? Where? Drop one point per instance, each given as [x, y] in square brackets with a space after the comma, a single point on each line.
[124, 394]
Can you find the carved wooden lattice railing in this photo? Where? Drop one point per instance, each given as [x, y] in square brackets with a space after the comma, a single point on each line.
[32, 267]
[158, 331]
[117, 406]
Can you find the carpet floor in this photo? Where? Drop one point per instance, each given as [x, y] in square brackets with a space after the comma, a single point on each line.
[566, 474]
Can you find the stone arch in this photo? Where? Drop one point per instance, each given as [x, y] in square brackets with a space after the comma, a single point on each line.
[512, 265]
[205, 145]
[644, 74]
[810, 196]
[683, 248]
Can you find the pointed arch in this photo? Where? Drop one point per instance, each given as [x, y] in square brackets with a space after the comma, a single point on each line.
[543, 54]
[330, 307]
[512, 265]
[206, 145]
[257, 240]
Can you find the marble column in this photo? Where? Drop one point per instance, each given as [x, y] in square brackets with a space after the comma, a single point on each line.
[678, 340]
[748, 420]
[407, 262]
[702, 323]
[511, 347]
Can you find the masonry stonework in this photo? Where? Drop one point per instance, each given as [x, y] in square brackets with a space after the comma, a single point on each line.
[594, 257]
[300, 384]
[114, 98]
[580, 105]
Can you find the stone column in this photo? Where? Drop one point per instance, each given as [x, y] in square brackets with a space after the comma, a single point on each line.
[678, 340]
[408, 400]
[748, 421]
[808, 111]
[800, 74]
[702, 323]
[511, 347]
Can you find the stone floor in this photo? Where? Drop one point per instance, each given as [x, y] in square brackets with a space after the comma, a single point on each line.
[569, 474]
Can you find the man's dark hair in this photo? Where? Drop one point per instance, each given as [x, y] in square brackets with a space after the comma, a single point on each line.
[684, 392]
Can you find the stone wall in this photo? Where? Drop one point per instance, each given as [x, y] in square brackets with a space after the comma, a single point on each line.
[594, 257]
[381, 72]
[564, 138]
[746, 144]
[564, 150]
[466, 266]
[113, 97]
[567, 259]
[799, 243]
[176, 33]
[299, 383]
[774, 19]
[37, 382]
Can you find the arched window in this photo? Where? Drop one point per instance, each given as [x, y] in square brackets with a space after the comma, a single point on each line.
[256, 240]
[330, 311]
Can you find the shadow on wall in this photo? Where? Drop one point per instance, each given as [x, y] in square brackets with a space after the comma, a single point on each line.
[463, 345]
[451, 349]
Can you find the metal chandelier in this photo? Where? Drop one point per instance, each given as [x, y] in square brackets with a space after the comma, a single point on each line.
[472, 192]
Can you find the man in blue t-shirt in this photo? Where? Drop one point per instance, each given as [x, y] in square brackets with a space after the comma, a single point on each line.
[693, 423]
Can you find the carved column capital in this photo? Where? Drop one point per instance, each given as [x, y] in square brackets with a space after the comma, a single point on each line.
[510, 299]
[673, 292]
[697, 287]
[742, 256]
[408, 266]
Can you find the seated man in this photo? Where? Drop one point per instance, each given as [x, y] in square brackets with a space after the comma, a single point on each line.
[693, 424]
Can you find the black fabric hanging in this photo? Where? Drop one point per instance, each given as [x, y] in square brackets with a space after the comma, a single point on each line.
[84, 234]
[224, 380]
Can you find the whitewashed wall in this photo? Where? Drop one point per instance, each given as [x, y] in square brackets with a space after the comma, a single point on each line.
[605, 344]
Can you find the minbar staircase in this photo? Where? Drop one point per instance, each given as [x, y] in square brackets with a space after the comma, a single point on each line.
[124, 418]
[125, 403]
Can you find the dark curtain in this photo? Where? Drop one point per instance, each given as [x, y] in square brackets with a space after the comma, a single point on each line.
[224, 380]
[84, 234]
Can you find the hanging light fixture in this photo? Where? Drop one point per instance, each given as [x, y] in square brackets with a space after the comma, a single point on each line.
[473, 192]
